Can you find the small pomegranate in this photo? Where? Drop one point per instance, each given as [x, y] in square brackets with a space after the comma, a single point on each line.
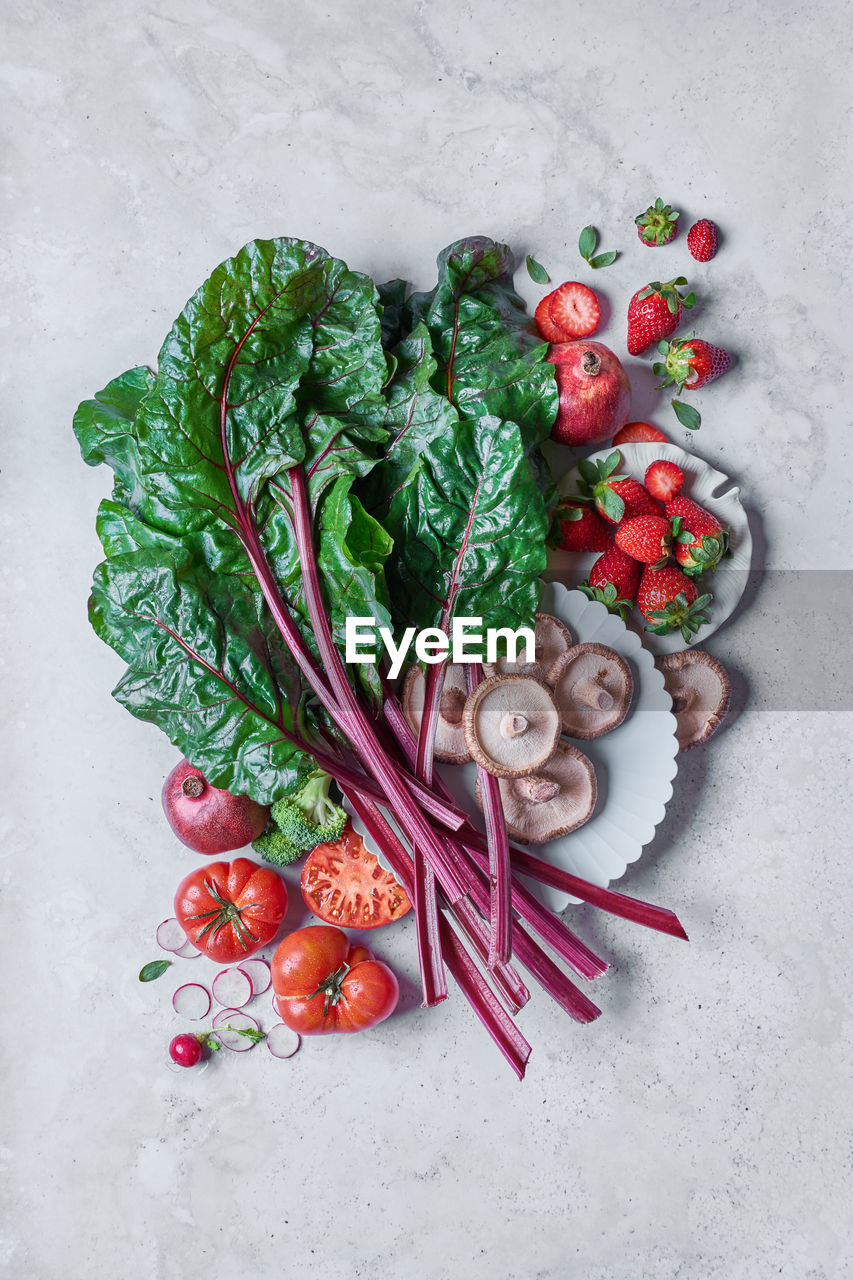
[595, 394]
[207, 819]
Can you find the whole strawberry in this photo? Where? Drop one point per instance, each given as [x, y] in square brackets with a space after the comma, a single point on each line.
[613, 581]
[669, 601]
[639, 433]
[646, 538]
[702, 240]
[616, 497]
[690, 363]
[655, 312]
[657, 225]
[701, 542]
[578, 527]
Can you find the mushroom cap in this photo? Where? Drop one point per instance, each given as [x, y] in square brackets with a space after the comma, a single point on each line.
[593, 686]
[450, 744]
[553, 638]
[512, 725]
[536, 821]
[700, 690]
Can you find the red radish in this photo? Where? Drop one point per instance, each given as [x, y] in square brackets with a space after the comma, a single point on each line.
[639, 433]
[646, 538]
[191, 1001]
[207, 819]
[664, 480]
[185, 1050]
[595, 394]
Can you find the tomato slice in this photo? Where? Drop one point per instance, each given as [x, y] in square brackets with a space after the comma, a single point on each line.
[344, 884]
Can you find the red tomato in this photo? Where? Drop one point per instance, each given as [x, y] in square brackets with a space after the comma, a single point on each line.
[229, 910]
[322, 984]
[343, 883]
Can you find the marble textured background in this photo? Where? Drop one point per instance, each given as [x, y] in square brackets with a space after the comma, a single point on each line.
[697, 1130]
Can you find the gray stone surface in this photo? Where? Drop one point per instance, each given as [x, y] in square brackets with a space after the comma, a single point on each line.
[699, 1129]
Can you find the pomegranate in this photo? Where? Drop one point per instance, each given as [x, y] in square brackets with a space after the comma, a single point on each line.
[207, 819]
[595, 394]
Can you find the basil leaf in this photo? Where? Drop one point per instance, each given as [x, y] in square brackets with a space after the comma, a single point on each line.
[687, 415]
[153, 970]
[587, 242]
[536, 271]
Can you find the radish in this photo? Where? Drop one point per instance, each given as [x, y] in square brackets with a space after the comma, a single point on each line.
[208, 819]
[191, 1001]
[185, 1050]
[232, 988]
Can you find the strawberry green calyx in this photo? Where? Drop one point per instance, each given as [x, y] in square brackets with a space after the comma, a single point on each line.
[704, 553]
[671, 293]
[677, 366]
[608, 597]
[595, 481]
[680, 615]
[657, 224]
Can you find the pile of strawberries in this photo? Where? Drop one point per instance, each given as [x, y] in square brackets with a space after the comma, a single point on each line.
[639, 528]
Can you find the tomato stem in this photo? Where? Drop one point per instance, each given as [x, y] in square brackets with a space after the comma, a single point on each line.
[331, 988]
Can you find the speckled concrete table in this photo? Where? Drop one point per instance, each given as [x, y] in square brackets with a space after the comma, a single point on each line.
[698, 1129]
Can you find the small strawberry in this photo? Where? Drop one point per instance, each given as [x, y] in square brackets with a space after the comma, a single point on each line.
[646, 538]
[616, 497]
[655, 312]
[702, 240]
[639, 433]
[690, 363]
[663, 480]
[701, 542]
[613, 581]
[669, 601]
[578, 527]
[657, 225]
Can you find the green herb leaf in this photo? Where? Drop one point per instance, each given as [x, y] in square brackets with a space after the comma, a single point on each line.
[603, 259]
[687, 415]
[587, 242]
[249, 1032]
[153, 970]
[536, 271]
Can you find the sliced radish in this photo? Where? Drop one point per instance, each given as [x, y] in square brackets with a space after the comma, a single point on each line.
[170, 935]
[192, 1001]
[232, 988]
[188, 951]
[282, 1042]
[258, 973]
[240, 1022]
[275, 1007]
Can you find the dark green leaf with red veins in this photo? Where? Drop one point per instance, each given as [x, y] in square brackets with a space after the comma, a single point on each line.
[392, 302]
[536, 271]
[657, 224]
[607, 596]
[469, 531]
[687, 415]
[153, 970]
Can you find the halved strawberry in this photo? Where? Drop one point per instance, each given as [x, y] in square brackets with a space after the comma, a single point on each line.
[545, 324]
[616, 497]
[639, 433]
[575, 310]
[664, 480]
[669, 601]
[578, 527]
[646, 538]
[613, 581]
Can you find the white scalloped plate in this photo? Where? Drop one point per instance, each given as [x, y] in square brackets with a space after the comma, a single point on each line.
[705, 485]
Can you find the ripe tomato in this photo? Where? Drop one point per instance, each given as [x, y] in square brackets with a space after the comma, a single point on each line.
[229, 910]
[343, 883]
[322, 984]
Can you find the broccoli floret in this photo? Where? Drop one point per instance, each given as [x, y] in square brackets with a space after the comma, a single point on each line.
[276, 848]
[307, 817]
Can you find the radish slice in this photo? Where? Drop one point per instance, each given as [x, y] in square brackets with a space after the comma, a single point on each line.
[170, 935]
[192, 1001]
[282, 1042]
[188, 951]
[258, 973]
[240, 1022]
[275, 1007]
[232, 988]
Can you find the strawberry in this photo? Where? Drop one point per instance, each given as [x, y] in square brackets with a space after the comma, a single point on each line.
[616, 497]
[669, 601]
[575, 310]
[639, 433]
[690, 363]
[701, 542]
[657, 225]
[646, 538]
[655, 312]
[613, 581]
[545, 324]
[702, 240]
[579, 527]
[663, 480]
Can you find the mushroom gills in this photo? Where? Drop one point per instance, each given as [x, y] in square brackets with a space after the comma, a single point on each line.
[700, 690]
